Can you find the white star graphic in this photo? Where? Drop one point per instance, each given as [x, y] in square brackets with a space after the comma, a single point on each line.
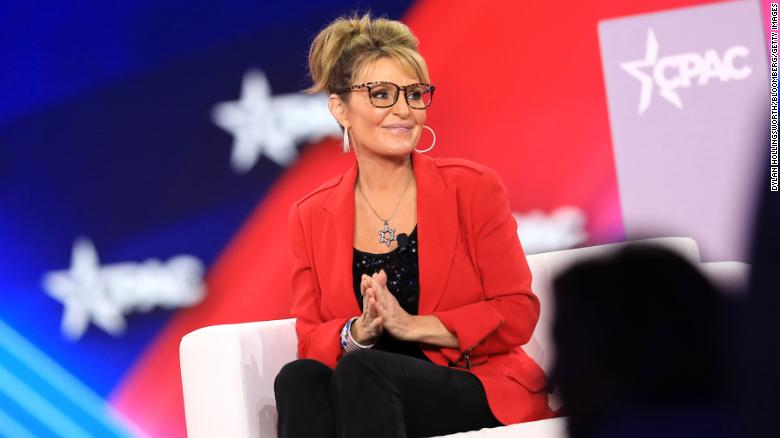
[80, 289]
[634, 68]
[104, 294]
[262, 124]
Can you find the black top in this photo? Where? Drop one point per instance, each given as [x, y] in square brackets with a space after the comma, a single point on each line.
[403, 281]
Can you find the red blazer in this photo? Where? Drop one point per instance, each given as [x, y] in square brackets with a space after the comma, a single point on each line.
[473, 276]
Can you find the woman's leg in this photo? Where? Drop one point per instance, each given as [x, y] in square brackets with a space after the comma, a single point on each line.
[301, 390]
[380, 394]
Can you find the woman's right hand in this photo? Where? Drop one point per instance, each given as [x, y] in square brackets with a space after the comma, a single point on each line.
[368, 326]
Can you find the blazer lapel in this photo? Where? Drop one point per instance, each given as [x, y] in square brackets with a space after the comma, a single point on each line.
[334, 239]
[437, 231]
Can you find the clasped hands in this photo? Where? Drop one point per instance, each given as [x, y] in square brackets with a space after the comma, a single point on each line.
[381, 311]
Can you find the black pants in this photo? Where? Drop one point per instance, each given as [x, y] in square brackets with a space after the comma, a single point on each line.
[374, 393]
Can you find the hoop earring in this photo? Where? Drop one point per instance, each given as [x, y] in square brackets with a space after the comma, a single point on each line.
[345, 144]
[432, 144]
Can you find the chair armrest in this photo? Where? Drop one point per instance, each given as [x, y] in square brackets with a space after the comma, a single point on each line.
[731, 277]
[228, 374]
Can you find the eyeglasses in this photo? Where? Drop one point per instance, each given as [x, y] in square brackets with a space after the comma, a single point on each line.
[385, 94]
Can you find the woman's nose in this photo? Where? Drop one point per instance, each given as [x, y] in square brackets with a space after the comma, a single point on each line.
[401, 106]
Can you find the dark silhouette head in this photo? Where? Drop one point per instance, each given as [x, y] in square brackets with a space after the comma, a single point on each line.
[641, 327]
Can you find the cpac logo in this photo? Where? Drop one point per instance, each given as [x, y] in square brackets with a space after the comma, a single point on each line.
[268, 125]
[673, 72]
[562, 228]
[103, 295]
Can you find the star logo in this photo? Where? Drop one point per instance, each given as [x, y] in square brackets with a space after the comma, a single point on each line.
[634, 68]
[103, 295]
[262, 124]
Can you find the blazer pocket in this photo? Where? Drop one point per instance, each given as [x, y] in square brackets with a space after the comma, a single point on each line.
[530, 375]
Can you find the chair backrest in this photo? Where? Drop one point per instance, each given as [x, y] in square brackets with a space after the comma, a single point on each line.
[546, 266]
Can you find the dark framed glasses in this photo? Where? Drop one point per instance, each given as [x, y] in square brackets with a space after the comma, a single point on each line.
[385, 94]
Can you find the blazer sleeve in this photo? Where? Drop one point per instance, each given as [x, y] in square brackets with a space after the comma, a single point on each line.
[506, 318]
[318, 338]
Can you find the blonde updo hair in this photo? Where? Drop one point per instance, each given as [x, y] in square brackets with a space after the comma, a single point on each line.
[348, 44]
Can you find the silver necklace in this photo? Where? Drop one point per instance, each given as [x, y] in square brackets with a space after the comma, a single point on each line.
[386, 234]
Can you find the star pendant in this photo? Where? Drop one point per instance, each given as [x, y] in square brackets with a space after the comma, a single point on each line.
[384, 232]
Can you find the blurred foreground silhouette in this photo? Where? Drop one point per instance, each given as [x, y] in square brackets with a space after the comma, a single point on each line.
[642, 351]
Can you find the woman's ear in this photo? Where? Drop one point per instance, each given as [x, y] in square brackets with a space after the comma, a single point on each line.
[338, 108]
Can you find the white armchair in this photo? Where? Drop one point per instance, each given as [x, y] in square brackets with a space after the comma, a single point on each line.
[228, 371]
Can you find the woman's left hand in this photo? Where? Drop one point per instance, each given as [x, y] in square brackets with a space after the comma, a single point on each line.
[395, 319]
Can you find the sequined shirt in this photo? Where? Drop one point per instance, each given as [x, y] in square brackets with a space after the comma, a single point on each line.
[403, 281]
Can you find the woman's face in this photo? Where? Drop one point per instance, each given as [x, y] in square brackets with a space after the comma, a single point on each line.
[392, 131]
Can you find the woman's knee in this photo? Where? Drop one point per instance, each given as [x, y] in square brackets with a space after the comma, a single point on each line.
[302, 373]
[357, 367]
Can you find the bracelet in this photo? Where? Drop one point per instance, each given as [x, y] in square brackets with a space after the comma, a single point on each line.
[348, 343]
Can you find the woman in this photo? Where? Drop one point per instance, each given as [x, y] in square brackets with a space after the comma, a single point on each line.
[410, 287]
